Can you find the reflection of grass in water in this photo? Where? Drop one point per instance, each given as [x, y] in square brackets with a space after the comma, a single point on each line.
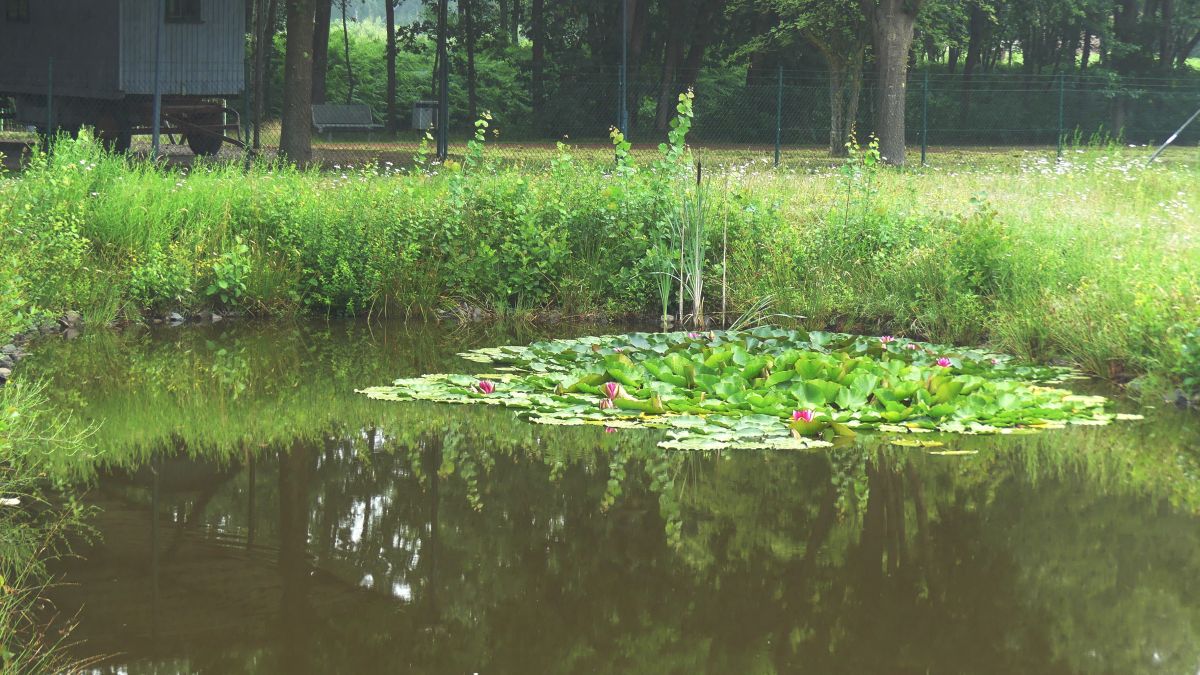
[33, 525]
[219, 393]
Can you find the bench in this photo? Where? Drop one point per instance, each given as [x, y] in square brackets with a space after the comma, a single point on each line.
[330, 117]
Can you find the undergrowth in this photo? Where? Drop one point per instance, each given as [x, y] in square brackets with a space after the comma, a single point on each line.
[1092, 260]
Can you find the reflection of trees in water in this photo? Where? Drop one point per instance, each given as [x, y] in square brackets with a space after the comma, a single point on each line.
[461, 539]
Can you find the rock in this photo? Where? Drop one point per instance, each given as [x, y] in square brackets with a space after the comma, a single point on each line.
[215, 317]
[9, 348]
[5, 373]
[1181, 399]
[6, 361]
[157, 321]
[174, 318]
[70, 320]
[71, 333]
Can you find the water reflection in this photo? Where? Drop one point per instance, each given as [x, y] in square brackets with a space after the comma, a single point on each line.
[259, 517]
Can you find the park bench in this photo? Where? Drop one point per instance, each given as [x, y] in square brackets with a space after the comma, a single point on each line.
[330, 117]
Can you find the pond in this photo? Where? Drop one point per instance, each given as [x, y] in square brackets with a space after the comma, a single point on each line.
[254, 514]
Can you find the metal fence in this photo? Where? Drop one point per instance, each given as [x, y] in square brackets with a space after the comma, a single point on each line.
[781, 118]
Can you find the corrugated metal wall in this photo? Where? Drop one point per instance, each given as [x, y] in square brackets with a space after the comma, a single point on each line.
[79, 35]
[205, 58]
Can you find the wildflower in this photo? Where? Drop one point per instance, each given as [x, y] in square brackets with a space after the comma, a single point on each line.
[485, 387]
[612, 390]
[805, 415]
[944, 362]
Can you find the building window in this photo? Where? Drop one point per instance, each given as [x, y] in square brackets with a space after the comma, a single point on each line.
[16, 10]
[183, 11]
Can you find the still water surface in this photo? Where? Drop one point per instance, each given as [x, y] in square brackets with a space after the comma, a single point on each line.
[254, 515]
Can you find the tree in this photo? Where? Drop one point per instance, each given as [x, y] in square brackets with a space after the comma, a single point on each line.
[891, 23]
[295, 137]
[467, 7]
[324, 9]
[538, 62]
[390, 11]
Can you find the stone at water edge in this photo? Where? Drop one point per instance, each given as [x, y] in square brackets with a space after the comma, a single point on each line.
[9, 349]
[5, 373]
[174, 318]
[70, 319]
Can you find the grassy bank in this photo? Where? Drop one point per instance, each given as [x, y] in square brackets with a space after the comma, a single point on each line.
[1093, 261]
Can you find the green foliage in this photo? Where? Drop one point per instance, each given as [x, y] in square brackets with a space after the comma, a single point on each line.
[230, 271]
[1089, 260]
[1187, 369]
[750, 389]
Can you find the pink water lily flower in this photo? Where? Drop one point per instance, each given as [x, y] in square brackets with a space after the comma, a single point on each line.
[805, 415]
[610, 430]
[612, 390]
[693, 336]
[606, 403]
[887, 339]
[485, 387]
[944, 362]
[911, 345]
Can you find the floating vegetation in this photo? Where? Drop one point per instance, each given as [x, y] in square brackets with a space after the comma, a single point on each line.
[764, 388]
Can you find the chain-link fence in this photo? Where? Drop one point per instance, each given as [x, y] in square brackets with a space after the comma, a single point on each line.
[793, 118]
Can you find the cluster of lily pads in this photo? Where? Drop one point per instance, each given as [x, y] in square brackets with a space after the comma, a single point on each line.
[763, 388]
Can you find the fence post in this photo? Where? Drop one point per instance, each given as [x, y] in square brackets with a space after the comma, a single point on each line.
[623, 88]
[1061, 103]
[49, 102]
[156, 123]
[925, 116]
[779, 115]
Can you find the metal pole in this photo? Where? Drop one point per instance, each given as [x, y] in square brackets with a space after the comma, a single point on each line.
[49, 102]
[156, 121]
[779, 115]
[443, 121]
[623, 104]
[1173, 137]
[1061, 94]
[925, 117]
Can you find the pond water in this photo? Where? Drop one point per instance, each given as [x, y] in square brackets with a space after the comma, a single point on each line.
[254, 514]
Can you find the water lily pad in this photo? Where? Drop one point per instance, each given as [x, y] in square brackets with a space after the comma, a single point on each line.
[765, 388]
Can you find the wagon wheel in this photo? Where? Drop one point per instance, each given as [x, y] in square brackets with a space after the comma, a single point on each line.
[112, 130]
[207, 141]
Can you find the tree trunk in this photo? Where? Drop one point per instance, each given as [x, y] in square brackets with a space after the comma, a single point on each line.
[514, 26]
[269, 56]
[672, 55]
[503, 36]
[264, 44]
[349, 66]
[1166, 56]
[390, 18]
[295, 138]
[952, 59]
[469, 29]
[639, 15]
[324, 12]
[538, 64]
[975, 32]
[892, 23]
